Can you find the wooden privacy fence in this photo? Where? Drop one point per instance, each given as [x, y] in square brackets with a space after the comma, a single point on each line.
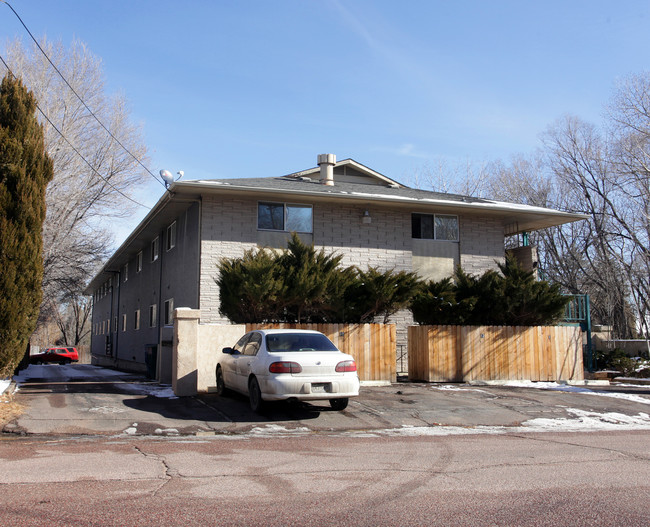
[467, 353]
[373, 346]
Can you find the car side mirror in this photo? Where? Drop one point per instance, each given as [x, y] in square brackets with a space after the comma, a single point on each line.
[228, 351]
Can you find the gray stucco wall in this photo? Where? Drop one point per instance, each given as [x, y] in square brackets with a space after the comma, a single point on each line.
[173, 275]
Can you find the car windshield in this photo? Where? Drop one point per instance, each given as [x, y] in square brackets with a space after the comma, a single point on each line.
[277, 342]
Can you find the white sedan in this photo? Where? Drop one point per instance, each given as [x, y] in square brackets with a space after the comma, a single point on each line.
[281, 364]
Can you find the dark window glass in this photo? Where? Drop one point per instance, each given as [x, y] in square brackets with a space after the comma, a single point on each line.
[422, 226]
[270, 216]
[278, 342]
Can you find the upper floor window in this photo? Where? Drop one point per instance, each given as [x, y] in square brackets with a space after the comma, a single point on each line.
[169, 312]
[170, 238]
[284, 217]
[126, 271]
[154, 249]
[153, 313]
[138, 262]
[434, 227]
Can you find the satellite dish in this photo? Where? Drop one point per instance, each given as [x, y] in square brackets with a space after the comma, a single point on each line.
[167, 177]
[180, 174]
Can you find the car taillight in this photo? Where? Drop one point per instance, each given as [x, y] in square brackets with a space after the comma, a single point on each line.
[285, 367]
[346, 365]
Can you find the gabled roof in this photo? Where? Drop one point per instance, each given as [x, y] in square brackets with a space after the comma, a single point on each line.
[349, 169]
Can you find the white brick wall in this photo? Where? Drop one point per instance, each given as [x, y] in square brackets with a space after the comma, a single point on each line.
[228, 229]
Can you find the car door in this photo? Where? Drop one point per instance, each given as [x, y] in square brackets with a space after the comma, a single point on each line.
[229, 364]
[246, 360]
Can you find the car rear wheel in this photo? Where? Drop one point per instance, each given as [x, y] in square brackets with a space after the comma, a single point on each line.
[255, 395]
[221, 385]
[339, 404]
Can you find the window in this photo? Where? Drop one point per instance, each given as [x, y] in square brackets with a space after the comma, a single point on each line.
[284, 217]
[154, 249]
[136, 320]
[138, 262]
[169, 312]
[434, 227]
[115, 323]
[126, 272]
[170, 239]
[253, 345]
[123, 322]
[153, 311]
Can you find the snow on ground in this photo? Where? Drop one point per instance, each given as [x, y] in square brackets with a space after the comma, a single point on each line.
[70, 371]
[541, 385]
[57, 373]
[155, 390]
[4, 384]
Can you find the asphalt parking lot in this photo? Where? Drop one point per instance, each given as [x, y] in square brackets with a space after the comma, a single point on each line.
[89, 400]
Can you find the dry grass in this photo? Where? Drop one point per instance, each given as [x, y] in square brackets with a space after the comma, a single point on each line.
[9, 409]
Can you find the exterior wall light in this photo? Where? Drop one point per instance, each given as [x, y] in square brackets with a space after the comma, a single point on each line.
[366, 217]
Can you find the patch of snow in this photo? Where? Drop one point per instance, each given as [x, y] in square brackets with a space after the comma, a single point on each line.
[4, 384]
[106, 410]
[47, 371]
[132, 430]
[590, 421]
[166, 431]
[155, 390]
[273, 429]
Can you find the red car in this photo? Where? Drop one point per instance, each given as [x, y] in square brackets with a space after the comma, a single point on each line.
[60, 355]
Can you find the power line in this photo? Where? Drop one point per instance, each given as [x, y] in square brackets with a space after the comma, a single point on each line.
[78, 96]
[73, 147]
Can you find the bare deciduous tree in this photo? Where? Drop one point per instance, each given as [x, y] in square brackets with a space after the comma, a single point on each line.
[83, 194]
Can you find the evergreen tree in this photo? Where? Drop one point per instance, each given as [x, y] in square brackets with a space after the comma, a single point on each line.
[380, 294]
[251, 289]
[25, 171]
[313, 281]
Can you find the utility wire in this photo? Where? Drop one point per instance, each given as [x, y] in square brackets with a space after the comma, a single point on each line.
[78, 96]
[73, 147]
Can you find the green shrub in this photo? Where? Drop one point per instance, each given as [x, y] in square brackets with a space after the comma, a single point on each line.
[512, 297]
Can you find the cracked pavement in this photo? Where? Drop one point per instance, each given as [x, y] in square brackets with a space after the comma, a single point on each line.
[96, 401]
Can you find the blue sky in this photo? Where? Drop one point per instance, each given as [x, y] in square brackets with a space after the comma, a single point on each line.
[259, 88]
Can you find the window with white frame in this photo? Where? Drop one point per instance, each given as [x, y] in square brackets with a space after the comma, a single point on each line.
[125, 272]
[136, 320]
[138, 262]
[170, 238]
[154, 249]
[434, 227]
[169, 312]
[286, 217]
[124, 322]
[153, 312]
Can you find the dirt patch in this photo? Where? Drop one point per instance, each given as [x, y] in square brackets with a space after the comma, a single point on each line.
[9, 409]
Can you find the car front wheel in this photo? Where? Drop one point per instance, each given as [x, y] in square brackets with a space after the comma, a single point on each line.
[255, 395]
[339, 404]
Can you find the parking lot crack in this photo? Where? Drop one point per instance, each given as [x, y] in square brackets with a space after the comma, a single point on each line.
[169, 472]
[629, 455]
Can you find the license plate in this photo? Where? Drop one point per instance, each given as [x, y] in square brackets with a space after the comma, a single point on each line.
[319, 387]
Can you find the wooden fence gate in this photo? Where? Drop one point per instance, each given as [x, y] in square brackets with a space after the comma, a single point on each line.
[467, 353]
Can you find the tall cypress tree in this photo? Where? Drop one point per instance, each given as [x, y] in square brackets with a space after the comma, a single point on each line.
[25, 171]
